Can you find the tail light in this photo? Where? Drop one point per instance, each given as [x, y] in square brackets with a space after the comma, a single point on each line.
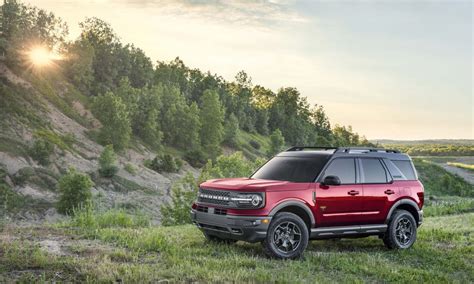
[421, 196]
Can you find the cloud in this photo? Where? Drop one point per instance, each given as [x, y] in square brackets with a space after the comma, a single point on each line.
[258, 13]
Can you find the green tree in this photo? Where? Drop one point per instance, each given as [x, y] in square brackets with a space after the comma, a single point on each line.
[78, 65]
[231, 130]
[107, 162]
[113, 114]
[74, 191]
[212, 117]
[277, 141]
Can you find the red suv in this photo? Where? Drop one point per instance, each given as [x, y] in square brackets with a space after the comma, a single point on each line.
[315, 193]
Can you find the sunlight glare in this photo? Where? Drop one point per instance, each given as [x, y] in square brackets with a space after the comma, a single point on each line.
[40, 56]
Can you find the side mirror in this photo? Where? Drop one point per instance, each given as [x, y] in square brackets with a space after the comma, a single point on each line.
[331, 180]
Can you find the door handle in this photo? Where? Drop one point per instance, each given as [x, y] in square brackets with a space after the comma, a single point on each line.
[353, 192]
[389, 191]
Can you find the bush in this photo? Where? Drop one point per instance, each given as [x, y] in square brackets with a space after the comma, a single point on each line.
[107, 167]
[74, 190]
[254, 144]
[41, 150]
[183, 193]
[195, 158]
[131, 169]
[164, 163]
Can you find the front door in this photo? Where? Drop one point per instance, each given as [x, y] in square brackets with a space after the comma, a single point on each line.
[339, 205]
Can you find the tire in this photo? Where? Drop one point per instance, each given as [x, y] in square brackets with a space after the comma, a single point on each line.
[287, 237]
[215, 239]
[401, 231]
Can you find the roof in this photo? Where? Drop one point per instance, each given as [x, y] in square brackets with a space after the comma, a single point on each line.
[305, 151]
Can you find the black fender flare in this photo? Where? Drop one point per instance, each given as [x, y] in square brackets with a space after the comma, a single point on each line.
[401, 202]
[296, 203]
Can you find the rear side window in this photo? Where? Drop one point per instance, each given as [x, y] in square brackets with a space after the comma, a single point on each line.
[406, 168]
[373, 171]
[342, 168]
[394, 170]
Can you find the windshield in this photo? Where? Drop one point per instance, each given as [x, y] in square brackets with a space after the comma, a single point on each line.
[294, 169]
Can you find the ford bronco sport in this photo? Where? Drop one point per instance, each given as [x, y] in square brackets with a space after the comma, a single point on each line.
[308, 193]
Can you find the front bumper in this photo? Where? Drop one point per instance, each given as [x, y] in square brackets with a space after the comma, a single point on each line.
[244, 228]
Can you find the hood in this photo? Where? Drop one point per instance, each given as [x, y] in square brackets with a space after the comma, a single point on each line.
[243, 184]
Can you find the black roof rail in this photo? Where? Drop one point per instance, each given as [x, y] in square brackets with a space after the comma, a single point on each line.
[365, 149]
[301, 148]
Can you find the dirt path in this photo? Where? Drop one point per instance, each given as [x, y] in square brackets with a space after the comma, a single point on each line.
[468, 176]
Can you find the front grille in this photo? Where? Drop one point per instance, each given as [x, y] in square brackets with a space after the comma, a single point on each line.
[219, 197]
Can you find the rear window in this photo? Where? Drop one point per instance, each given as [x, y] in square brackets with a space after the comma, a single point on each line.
[406, 168]
[293, 169]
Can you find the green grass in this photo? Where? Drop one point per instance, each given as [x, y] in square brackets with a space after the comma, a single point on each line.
[462, 166]
[437, 181]
[445, 205]
[244, 144]
[443, 253]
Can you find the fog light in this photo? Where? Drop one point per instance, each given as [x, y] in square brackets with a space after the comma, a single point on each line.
[265, 221]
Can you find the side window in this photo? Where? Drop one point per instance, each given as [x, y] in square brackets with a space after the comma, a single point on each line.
[342, 168]
[373, 170]
[394, 170]
[406, 168]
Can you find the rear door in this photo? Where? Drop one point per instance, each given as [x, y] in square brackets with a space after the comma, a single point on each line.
[379, 190]
[340, 204]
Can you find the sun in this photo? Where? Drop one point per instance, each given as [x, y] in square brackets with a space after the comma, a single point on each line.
[41, 56]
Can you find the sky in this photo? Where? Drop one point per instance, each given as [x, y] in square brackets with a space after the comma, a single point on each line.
[390, 69]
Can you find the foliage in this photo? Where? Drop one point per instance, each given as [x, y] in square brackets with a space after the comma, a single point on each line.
[254, 144]
[277, 143]
[433, 149]
[212, 117]
[231, 130]
[107, 160]
[438, 181]
[131, 169]
[183, 193]
[74, 191]
[113, 114]
[164, 163]
[196, 158]
[88, 218]
[41, 151]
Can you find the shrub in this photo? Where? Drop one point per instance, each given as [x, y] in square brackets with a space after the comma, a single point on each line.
[131, 169]
[195, 158]
[41, 150]
[107, 167]
[164, 163]
[254, 144]
[183, 193]
[74, 190]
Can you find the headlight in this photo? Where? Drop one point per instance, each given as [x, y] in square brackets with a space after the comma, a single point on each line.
[248, 200]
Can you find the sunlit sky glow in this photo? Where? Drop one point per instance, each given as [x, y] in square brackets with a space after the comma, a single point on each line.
[399, 70]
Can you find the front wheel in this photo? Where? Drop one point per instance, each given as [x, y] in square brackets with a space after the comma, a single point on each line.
[401, 231]
[287, 236]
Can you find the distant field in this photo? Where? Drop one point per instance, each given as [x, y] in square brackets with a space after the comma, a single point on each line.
[469, 167]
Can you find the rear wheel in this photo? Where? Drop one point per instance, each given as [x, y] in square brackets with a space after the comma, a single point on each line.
[216, 239]
[287, 236]
[401, 231]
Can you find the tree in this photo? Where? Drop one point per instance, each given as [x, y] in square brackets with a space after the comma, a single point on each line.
[212, 117]
[277, 141]
[183, 193]
[113, 114]
[78, 65]
[107, 159]
[231, 130]
[41, 150]
[74, 191]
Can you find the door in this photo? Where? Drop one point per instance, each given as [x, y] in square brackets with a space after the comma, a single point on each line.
[339, 205]
[379, 190]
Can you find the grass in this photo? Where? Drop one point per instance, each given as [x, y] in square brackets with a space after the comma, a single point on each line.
[462, 166]
[445, 205]
[437, 181]
[443, 253]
